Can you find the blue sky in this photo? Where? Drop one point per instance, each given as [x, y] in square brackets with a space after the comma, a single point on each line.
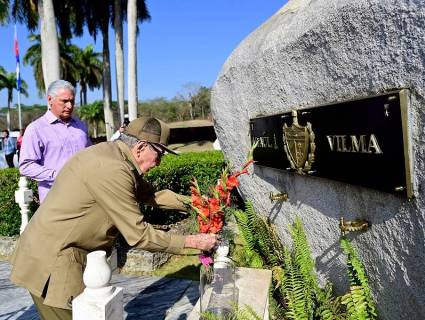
[186, 41]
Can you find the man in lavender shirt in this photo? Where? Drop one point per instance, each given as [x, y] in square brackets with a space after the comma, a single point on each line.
[53, 138]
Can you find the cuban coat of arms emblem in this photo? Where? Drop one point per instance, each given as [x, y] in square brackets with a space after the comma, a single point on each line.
[299, 145]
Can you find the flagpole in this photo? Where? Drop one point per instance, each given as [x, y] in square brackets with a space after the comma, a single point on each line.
[19, 111]
[18, 78]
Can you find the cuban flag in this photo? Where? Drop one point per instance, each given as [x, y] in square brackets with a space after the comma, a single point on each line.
[18, 74]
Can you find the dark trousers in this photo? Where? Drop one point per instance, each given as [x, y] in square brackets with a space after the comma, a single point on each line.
[50, 313]
[9, 160]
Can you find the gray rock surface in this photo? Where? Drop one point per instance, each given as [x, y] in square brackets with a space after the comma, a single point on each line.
[7, 244]
[138, 260]
[313, 52]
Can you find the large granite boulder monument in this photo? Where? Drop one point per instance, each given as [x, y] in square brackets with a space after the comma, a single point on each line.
[317, 52]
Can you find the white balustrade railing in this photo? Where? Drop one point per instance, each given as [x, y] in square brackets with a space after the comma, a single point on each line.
[23, 197]
[99, 300]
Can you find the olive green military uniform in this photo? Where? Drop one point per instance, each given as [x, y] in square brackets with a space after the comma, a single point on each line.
[95, 196]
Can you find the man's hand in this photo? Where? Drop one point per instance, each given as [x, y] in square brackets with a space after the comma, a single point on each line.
[201, 241]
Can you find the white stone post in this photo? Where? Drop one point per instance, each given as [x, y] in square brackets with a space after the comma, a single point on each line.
[99, 300]
[23, 197]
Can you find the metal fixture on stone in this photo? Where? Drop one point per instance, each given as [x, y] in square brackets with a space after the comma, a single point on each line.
[355, 225]
[281, 196]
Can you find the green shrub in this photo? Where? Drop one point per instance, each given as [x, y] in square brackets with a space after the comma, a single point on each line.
[10, 217]
[176, 173]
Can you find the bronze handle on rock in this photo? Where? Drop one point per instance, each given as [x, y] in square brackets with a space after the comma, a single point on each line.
[282, 196]
[355, 225]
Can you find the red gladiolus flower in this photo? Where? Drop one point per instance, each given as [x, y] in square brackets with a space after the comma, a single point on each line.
[210, 210]
[214, 204]
[221, 192]
[247, 164]
[244, 169]
[194, 190]
[205, 212]
[204, 228]
[232, 182]
[196, 200]
[228, 200]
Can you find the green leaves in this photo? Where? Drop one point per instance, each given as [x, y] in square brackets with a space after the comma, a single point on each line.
[259, 237]
[10, 216]
[245, 313]
[176, 174]
[359, 300]
[8, 82]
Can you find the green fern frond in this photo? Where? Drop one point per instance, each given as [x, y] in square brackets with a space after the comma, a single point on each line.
[276, 305]
[361, 297]
[356, 304]
[302, 252]
[247, 313]
[305, 265]
[250, 215]
[210, 316]
[244, 223]
[328, 306]
[244, 257]
[293, 289]
[247, 221]
[259, 236]
[269, 244]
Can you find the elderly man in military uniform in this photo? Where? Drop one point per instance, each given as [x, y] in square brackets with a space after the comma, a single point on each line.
[95, 197]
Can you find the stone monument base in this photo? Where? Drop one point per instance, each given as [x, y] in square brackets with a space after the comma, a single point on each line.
[138, 260]
[7, 245]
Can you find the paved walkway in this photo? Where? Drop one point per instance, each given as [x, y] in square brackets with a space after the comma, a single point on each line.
[147, 298]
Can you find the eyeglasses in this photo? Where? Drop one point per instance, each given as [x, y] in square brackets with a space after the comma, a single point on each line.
[159, 151]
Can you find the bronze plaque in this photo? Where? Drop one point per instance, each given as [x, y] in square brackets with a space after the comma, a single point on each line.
[363, 142]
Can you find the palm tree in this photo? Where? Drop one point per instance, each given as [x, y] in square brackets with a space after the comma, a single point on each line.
[93, 114]
[29, 13]
[33, 56]
[89, 69]
[98, 15]
[119, 55]
[98, 18]
[70, 17]
[132, 59]
[4, 11]
[50, 54]
[2, 77]
[8, 82]
[136, 11]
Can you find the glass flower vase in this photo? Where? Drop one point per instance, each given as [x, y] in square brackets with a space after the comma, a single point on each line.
[217, 288]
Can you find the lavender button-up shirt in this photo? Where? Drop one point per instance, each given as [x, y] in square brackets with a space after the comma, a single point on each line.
[47, 144]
